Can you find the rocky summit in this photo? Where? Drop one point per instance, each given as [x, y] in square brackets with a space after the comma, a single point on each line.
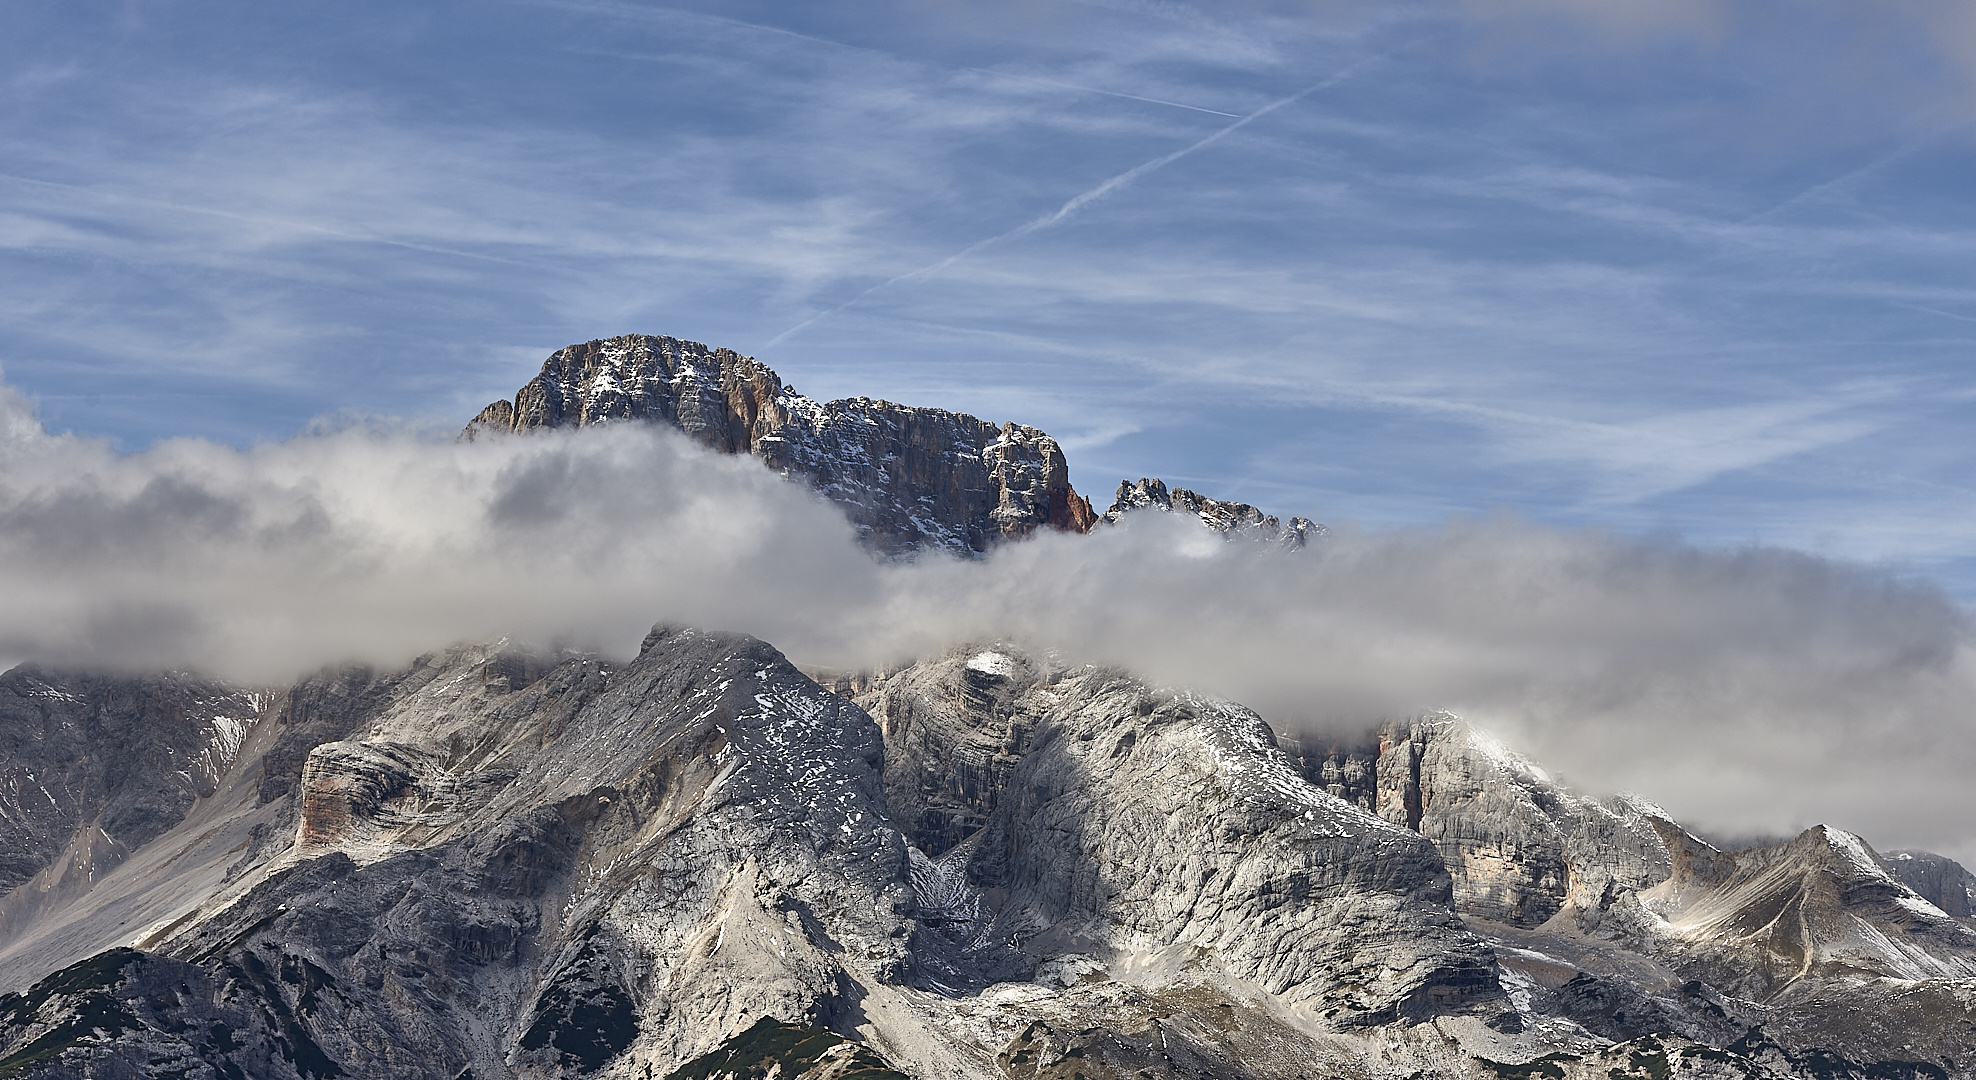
[909, 478]
[990, 862]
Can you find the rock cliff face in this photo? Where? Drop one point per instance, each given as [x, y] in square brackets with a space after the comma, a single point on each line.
[1231, 519]
[1520, 847]
[1120, 823]
[1937, 879]
[909, 478]
[983, 864]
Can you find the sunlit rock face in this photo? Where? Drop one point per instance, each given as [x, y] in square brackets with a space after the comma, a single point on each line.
[1122, 823]
[909, 478]
[1520, 847]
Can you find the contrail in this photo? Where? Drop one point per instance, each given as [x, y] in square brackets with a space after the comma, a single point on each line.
[1816, 190]
[1077, 202]
[1094, 90]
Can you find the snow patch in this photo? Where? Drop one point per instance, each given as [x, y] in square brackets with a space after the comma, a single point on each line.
[1854, 849]
[992, 663]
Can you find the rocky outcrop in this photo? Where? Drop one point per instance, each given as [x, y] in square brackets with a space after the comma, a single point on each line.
[772, 1050]
[125, 1014]
[1231, 519]
[1120, 824]
[1520, 847]
[908, 478]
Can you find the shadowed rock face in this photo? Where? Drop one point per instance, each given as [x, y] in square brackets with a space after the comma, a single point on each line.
[908, 478]
[93, 766]
[130, 1014]
[1938, 879]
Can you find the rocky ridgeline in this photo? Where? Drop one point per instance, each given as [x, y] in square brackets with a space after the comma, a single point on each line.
[1232, 519]
[982, 864]
[908, 478]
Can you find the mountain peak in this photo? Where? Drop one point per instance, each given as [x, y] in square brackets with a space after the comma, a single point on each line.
[909, 478]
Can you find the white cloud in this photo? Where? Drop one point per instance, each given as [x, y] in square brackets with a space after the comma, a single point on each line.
[1747, 689]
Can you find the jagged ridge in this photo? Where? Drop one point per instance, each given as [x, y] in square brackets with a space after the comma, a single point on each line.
[909, 478]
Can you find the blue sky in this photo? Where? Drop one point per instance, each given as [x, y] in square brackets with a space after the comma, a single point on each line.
[1680, 266]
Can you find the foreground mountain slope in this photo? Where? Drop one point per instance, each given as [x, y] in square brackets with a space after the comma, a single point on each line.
[981, 864]
[531, 866]
[94, 767]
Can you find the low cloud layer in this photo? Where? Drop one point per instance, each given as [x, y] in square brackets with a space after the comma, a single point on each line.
[1754, 690]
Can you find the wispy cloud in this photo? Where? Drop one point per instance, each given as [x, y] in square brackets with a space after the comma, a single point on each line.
[1076, 202]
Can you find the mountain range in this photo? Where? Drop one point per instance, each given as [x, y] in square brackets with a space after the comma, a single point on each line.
[990, 862]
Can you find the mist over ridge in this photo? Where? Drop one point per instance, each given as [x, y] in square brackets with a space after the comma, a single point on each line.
[1751, 689]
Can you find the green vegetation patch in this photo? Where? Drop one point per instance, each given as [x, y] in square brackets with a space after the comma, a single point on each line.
[1550, 1066]
[788, 1050]
[95, 1015]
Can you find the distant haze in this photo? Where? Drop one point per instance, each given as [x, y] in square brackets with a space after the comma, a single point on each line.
[1750, 690]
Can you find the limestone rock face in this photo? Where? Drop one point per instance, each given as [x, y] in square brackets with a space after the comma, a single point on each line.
[1125, 824]
[1520, 847]
[614, 864]
[983, 864]
[909, 478]
[1231, 519]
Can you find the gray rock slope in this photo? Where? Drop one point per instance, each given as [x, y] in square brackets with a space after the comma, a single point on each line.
[94, 767]
[984, 864]
[908, 478]
[493, 864]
